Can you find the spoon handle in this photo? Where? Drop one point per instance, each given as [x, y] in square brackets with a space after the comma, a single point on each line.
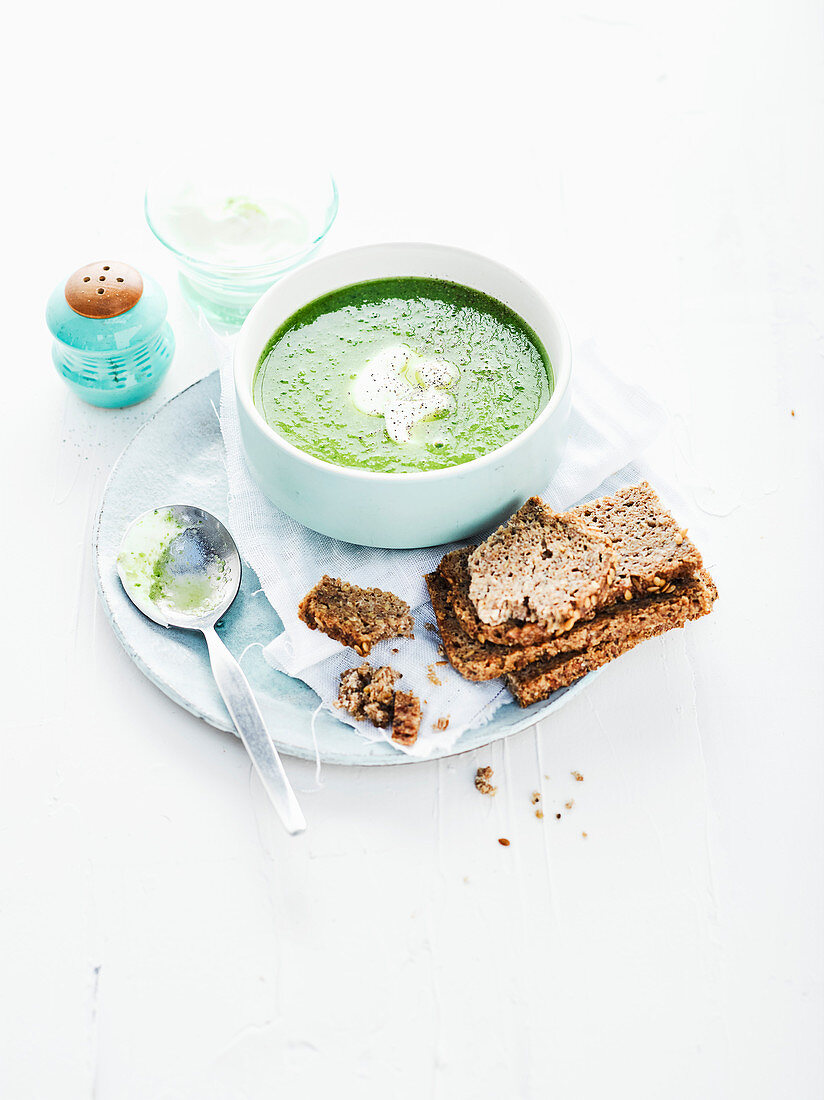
[241, 704]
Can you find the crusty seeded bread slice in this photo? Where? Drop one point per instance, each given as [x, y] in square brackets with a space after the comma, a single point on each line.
[358, 617]
[454, 568]
[653, 552]
[407, 718]
[476, 660]
[540, 566]
[652, 549]
[539, 680]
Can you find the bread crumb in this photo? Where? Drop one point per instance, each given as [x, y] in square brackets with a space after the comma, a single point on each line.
[792, 412]
[577, 777]
[441, 650]
[558, 816]
[396, 651]
[442, 662]
[432, 676]
[570, 804]
[502, 840]
[583, 834]
[442, 723]
[539, 813]
[430, 627]
[482, 781]
[535, 797]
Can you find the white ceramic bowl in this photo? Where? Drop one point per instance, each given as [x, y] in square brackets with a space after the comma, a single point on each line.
[402, 509]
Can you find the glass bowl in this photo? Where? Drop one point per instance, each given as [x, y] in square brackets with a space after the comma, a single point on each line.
[236, 225]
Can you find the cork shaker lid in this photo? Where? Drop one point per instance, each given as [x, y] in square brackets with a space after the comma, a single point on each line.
[104, 289]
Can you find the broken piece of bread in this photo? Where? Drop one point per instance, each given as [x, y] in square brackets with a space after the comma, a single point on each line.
[406, 721]
[369, 694]
[357, 617]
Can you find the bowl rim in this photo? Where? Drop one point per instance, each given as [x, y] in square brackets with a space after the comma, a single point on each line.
[284, 262]
[243, 393]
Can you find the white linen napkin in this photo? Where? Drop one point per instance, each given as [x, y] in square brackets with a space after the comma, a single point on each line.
[610, 424]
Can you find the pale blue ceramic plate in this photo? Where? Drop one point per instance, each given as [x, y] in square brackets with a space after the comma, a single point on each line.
[177, 458]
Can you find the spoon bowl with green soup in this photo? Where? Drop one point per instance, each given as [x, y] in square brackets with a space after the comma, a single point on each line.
[402, 395]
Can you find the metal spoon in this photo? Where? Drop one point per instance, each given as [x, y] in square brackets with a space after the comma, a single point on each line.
[180, 566]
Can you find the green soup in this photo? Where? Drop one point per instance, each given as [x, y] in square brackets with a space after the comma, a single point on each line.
[402, 374]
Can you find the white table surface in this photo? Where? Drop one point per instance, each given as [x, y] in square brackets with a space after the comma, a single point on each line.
[661, 179]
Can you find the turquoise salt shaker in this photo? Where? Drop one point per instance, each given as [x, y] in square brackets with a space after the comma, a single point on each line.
[112, 343]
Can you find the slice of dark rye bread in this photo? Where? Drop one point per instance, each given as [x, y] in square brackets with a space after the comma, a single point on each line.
[454, 569]
[653, 552]
[652, 549]
[541, 566]
[474, 660]
[538, 681]
[358, 617]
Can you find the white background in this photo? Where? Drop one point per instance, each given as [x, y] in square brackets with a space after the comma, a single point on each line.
[657, 170]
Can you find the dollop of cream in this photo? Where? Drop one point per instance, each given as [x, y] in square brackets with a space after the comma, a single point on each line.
[405, 389]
